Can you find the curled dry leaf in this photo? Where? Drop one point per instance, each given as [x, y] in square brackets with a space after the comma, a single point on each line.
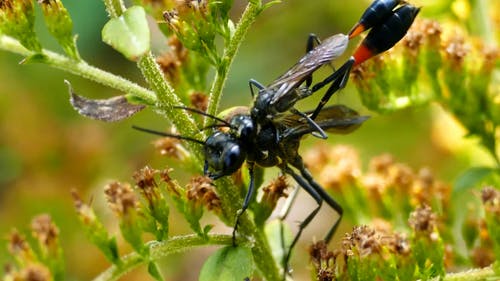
[108, 110]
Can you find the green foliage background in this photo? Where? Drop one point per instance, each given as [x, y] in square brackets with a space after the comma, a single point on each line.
[46, 148]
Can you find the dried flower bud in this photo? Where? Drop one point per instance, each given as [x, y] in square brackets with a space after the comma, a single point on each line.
[338, 166]
[323, 261]
[35, 272]
[361, 242]
[422, 190]
[146, 183]
[94, 229]
[482, 256]
[456, 50]
[199, 100]
[413, 40]
[121, 198]
[201, 191]
[491, 199]
[380, 164]
[59, 24]
[45, 231]
[274, 191]
[172, 186]
[423, 221]
[169, 147]
[171, 61]
[17, 19]
[432, 31]
[19, 247]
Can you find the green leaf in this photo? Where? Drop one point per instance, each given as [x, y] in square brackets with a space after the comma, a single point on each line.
[228, 264]
[153, 271]
[128, 33]
[276, 231]
[470, 179]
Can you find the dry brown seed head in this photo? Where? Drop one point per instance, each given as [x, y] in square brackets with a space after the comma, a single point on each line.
[380, 164]
[44, 229]
[17, 243]
[423, 220]
[144, 178]
[199, 101]
[121, 197]
[35, 272]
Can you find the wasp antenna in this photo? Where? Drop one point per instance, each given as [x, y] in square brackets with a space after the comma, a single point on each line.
[194, 110]
[163, 134]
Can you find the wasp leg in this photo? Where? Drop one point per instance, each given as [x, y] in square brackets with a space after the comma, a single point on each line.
[252, 83]
[319, 133]
[316, 196]
[282, 216]
[246, 202]
[313, 41]
[299, 164]
[339, 78]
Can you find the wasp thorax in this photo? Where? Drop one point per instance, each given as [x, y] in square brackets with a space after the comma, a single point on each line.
[243, 126]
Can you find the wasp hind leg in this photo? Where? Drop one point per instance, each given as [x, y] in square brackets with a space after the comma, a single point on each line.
[246, 202]
[338, 79]
[304, 184]
[312, 42]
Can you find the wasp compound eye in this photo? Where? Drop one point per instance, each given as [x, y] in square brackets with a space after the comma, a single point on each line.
[223, 154]
[232, 157]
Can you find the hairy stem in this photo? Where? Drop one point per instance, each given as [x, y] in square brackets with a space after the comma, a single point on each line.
[252, 10]
[158, 250]
[114, 7]
[167, 99]
[470, 275]
[79, 68]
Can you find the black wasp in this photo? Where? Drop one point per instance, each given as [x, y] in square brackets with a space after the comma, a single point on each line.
[269, 134]
[389, 21]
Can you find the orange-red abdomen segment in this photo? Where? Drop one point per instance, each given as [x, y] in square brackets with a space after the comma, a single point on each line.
[362, 53]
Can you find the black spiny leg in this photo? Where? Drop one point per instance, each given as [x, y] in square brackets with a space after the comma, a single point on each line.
[282, 216]
[252, 83]
[311, 39]
[246, 202]
[339, 78]
[307, 187]
[319, 133]
[324, 196]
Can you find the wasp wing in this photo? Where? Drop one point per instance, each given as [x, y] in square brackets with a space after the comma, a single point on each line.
[328, 50]
[338, 119]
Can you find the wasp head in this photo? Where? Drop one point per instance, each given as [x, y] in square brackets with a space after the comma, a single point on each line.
[224, 154]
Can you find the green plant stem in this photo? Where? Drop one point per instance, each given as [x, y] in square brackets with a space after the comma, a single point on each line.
[79, 68]
[231, 203]
[482, 19]
[249, 15]
[482, 274]
[167, 99]
[115, 8]
[158, 250]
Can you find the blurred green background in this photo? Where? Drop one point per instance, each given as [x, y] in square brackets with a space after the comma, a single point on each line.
[46, 148]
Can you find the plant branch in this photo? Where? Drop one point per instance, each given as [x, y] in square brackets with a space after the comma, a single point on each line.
[167, 99]
[252, 10]
[470, 275]
[158, 250]
[114, 7]
[79, 68]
